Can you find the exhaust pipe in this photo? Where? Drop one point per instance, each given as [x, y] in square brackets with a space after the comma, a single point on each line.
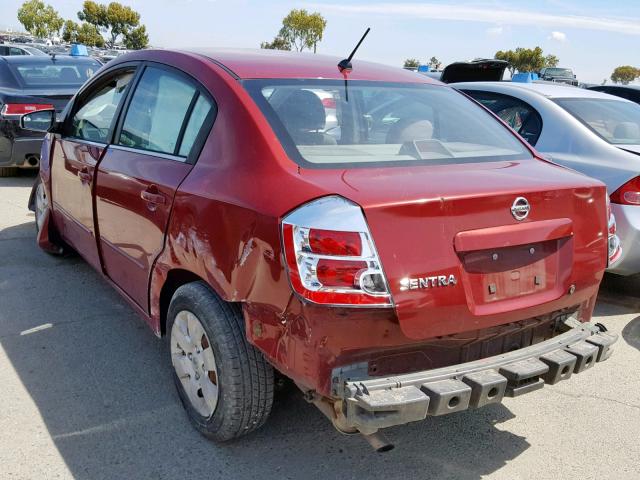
[33, 160]
[332, 410]
[379, 442]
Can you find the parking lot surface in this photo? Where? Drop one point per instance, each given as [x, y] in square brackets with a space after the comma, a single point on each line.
[86, 393]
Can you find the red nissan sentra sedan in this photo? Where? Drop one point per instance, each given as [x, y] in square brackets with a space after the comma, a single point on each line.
[413, 257]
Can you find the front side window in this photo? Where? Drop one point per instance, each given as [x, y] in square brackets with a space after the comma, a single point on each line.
[157, 112]
[92, 121]
[323, 123]
[616, 121]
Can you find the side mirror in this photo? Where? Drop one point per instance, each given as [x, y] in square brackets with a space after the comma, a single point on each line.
[40, 121]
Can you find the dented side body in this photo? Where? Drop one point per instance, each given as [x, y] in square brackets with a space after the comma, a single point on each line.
[225, 229]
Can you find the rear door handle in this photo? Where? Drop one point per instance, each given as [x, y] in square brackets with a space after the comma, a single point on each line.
[152, 196]
[84, 175]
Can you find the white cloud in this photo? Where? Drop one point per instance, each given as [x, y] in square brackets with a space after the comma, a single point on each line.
[433, 11]
[558, 36]
[495, 31]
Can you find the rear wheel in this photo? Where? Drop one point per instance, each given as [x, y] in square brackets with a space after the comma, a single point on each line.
[8, 171]
[41, 204]
[224, 383]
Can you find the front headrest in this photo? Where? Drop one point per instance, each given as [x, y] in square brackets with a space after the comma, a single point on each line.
[302, 110]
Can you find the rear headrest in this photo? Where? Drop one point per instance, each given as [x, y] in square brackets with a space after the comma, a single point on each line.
[68, 74]
[629, 130]
[302, 110]
[409, 129]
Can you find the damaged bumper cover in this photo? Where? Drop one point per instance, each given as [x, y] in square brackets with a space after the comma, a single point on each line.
[370, 403]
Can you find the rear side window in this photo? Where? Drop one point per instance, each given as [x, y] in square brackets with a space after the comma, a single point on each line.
[201, 111]
[327, 124]
[92, 121]
[519, 115]
[157, 112]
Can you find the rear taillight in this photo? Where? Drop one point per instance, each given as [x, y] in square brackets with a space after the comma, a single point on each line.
[614, 247]
[628, 194]
[330, 255]
[24, 108]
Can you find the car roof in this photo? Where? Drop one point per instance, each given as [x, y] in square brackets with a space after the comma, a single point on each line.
[546, 89]
[246, 63]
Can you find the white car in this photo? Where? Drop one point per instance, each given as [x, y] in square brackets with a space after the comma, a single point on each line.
[592, 132]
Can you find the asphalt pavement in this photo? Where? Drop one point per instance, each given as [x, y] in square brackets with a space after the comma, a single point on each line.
[86, 393]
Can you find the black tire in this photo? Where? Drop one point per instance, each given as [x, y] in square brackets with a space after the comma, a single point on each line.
[62, 248]
[245, 378]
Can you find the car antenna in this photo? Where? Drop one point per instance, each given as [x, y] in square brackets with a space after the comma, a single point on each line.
[345, 66]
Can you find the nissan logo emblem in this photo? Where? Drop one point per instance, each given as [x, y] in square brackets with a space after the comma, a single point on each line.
[520, 208]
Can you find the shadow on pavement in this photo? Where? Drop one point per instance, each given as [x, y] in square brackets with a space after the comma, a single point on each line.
[631, 333]
[100, 381]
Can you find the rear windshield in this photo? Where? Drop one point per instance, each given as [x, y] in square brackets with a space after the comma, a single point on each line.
[618, 122]
[322, 123]
[54, 74]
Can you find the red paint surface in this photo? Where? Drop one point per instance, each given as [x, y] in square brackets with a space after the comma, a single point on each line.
[222, 225]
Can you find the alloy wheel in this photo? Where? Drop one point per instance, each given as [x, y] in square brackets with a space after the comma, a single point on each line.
[194, 362]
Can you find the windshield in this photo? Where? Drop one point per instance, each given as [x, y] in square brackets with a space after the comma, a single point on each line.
[616, 121]
[560, 72]
[322, 124]
[54, 73]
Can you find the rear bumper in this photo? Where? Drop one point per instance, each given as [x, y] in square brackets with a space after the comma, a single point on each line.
[374, 403]
[20, 150]
[628, 231]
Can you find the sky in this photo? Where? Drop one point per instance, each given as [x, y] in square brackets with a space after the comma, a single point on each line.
[592, 37]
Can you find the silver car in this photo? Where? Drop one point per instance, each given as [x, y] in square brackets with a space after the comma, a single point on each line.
[591, 132]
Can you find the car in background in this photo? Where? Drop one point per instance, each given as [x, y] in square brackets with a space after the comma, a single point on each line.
[29, 83]
[630, 92]
[479, 70]
[559, 75]
[8, 49]
[589, 131]
[421, 261]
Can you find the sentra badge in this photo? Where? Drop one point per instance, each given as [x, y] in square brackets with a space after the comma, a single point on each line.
[428, 282]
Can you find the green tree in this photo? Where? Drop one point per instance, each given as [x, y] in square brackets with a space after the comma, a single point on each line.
[278, 43]
[551, 61]
[40, 19]
[625, 74]
[435, 63]
[137, 38]
[115, 19]
[84, 33]
[411, 63]
[301, 29]
[526, 59]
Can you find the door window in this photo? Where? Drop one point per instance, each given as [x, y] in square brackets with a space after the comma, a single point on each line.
[92, 121]
[520, 116]
[201, 111]
[158, 109]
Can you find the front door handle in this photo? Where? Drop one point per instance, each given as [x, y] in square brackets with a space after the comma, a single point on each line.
[152, 196]
[85, 176]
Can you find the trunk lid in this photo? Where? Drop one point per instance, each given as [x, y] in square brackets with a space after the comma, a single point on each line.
[474, 71]
[457, 259]
[58, 97]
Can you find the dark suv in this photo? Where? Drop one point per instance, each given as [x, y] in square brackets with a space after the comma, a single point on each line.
[560, 75]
